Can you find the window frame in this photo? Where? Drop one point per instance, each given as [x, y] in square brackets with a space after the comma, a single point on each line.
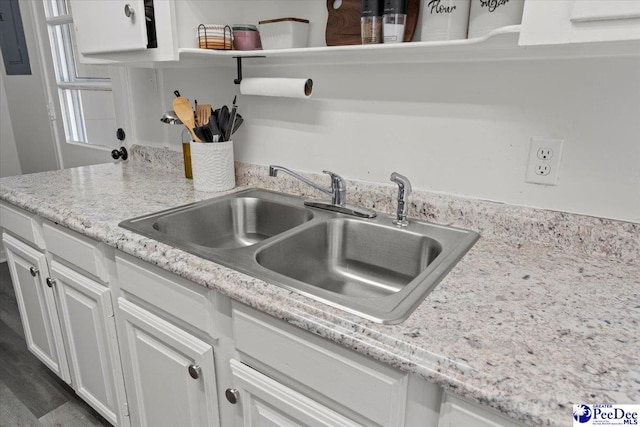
[67, 83]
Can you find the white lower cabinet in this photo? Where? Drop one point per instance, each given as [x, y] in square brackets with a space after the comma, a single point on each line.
[66, 309]
[357, 387]
[169, 373]
[87, 318]
[265, 402]
[37, 305]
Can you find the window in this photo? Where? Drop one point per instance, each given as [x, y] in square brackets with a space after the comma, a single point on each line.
[84, 91]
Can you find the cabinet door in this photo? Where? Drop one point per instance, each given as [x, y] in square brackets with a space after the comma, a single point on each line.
[87, 318]
[109, 25]
[267, 403]
[579, 21]
[36, 303]
[169, 373]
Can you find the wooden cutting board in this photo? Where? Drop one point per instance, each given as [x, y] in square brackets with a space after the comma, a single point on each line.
[343, 23]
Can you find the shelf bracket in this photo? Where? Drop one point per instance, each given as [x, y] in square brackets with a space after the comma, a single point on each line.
[239, 66]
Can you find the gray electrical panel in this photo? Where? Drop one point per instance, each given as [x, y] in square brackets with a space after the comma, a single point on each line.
[12, 40]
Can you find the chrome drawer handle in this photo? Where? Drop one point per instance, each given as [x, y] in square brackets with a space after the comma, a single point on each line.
[50, 282]
[34, 271]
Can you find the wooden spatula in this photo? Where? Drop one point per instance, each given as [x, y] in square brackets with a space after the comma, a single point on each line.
[203, 112]
[184, 111]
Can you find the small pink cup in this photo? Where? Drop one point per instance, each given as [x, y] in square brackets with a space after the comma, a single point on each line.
[246, 40]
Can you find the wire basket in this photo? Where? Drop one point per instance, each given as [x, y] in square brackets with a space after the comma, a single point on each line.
[215, 36]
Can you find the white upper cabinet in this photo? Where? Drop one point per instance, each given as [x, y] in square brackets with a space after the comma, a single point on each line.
[109, 25]
[125, 31]
[579, 21]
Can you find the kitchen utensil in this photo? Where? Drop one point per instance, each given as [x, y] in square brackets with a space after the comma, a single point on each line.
[183, 110]
[199, 131]
[208, 134]
[232, 119]
[171, 118]
[237, 124]
[213, 127]
[203, 111]
[343, 23]
[223, 122]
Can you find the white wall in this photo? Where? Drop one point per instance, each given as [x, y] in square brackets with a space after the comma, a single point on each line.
[458, 128]
[9, 161]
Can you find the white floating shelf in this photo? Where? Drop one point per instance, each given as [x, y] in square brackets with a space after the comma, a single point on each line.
[501, 44]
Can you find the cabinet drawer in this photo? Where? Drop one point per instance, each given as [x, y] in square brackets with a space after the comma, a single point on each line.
[21, 224]
[267, 402]
[456, 412]
[369, 388]
[77, 249]
[186, 301]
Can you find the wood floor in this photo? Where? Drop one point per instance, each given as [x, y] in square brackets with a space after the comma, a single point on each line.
[30, 394]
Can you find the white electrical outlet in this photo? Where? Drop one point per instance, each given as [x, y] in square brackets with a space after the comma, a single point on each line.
[544, 161]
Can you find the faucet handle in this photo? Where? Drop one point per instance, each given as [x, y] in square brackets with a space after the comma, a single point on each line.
[338, 188]
[336, 180]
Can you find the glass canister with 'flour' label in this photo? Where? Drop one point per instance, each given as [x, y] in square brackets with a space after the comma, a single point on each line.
[444, 19]
[487, 15]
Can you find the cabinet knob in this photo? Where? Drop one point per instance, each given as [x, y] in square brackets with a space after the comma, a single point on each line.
[128, 10]
[34, 271]
[50, 282]
[233, 395]
[195, 371]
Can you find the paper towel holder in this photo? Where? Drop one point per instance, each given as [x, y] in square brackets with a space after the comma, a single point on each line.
[239, 66]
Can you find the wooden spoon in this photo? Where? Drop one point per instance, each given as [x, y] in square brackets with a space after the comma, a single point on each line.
[184, 111]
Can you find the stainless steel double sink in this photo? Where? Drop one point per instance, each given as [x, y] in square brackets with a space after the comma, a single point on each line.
[369, 267]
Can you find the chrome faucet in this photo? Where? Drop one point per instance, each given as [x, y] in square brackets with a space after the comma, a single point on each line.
[337, 191]
[404, 189]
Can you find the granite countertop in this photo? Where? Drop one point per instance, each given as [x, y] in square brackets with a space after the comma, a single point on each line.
[542, 313]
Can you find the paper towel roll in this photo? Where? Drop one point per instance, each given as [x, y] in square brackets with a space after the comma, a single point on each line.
[290, 88]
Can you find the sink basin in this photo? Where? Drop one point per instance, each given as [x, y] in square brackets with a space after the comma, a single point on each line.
[228, 222]
[369, 267]
[352, 257]
[231, 223]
